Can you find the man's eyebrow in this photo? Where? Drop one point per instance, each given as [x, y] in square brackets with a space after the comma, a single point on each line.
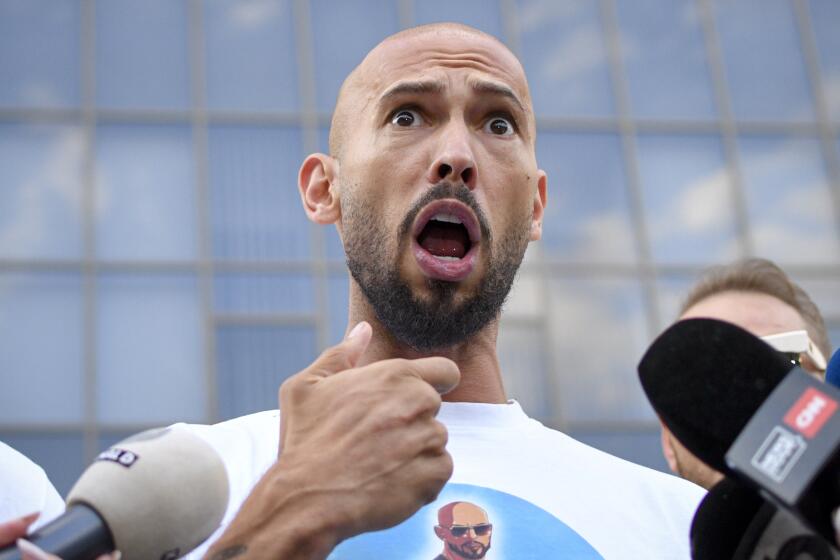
[493, 88]
[407, 88]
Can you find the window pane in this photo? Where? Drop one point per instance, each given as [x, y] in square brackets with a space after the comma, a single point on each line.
[665, 59]
[150, 355]
[252, 362]
[145, 193]
[59, 454]
[41, 192]
[688, 199]
[565, 57]
[763, 60]
[601, 322]
[825, 21]
[587, 216]
[527, 297]
[362, 24]
[251, 55]
[481, 14]
[791, 212]
[259, 294]
[672, 290]
[141, 54]
[41, 342]
[823, 291]
[524, 361]
[39, 53]
[256, 208]
[338, 305]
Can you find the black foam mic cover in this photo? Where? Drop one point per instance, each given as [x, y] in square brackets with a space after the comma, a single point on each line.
[722, 519]
[706, 378]
[734, 523]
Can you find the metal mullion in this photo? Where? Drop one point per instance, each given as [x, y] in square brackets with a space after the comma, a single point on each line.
[57, 265]
[90, 435]
[72, 428]
[630, 156]
[309, 123]
[612, 426]
[199, 121]
[510, 20]
[32, 114]
[728, 127]
[826, 132]
[510, 26]
[266, 320]
[405, 13]
[251, 118]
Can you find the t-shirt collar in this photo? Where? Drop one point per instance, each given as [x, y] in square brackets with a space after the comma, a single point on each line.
[481, 415]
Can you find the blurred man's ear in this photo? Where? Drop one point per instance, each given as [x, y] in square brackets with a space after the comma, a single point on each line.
[318, 192]
[440, 532]
[539, 205]
[668, 448]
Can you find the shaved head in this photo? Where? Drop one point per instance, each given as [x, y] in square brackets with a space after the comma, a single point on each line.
[356, 91]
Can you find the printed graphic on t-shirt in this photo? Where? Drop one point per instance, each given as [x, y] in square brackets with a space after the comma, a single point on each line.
[469, 522]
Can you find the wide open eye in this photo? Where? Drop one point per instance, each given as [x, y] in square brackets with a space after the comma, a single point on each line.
[406, 118]
[499, 126]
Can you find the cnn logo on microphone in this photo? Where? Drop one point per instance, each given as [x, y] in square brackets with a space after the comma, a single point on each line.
[811, 412]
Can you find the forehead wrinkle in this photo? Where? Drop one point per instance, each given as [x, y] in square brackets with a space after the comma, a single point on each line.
[413, 87]
[484, 87]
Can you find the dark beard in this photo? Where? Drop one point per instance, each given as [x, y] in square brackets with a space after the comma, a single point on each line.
[465, 552]
[440, 322]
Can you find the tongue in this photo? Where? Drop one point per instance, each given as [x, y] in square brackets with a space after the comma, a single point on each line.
[443, 239]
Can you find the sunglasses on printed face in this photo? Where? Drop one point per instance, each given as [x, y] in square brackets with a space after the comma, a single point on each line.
[480, 529]
[798, 347]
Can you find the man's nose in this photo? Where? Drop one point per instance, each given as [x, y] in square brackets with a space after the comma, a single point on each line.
[455, 162]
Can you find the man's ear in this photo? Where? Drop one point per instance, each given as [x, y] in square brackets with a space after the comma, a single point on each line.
[440, 532]
[316, 181]
[539, 205]
[668, 448]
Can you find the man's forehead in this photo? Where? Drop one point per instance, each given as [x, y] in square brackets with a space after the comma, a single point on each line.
[427, 55]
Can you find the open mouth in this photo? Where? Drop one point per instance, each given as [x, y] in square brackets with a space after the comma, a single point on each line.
[446, 240]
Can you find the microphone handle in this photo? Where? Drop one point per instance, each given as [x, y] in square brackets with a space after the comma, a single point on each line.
[77, 534]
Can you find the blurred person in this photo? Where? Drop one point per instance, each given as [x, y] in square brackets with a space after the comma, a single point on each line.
[433, 185]
[28, 500]
[758, 296]
[25, 490]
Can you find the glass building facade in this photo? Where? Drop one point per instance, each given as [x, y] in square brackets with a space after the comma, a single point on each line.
[156, 266]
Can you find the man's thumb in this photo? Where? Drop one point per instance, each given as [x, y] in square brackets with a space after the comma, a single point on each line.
[346, 354]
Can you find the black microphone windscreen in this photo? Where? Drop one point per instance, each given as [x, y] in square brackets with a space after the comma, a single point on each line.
[700, 367]
[722, 519]
[832, 372]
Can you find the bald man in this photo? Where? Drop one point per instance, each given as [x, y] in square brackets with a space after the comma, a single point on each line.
[465, 530]
[433, 185]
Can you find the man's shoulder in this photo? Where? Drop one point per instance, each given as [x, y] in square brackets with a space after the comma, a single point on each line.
[247, 444]
[576, 465]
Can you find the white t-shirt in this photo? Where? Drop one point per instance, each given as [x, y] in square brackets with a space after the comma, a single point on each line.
[25, 488]
[545, 494]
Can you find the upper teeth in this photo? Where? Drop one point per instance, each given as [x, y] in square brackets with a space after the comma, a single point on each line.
[449, 218]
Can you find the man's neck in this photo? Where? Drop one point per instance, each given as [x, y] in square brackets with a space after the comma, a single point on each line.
[481, 379]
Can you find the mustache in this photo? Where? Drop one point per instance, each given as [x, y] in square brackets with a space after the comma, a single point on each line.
[445, 190]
